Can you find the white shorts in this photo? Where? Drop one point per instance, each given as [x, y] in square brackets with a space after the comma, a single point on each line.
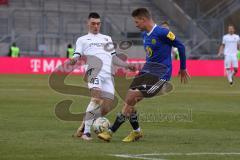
[105, 84]
[230, 61]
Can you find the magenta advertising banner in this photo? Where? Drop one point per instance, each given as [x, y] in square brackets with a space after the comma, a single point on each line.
[48, 65]
[3, 2]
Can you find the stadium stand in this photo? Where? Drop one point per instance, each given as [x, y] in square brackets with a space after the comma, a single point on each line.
[45, 27]
[212, 17]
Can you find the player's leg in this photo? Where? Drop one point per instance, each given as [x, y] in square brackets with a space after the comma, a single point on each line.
[102, 95]
[133, 96]
[151, 86]
[235, 66]
[235, 71]
[144, 85]
[227, 65]
[107, 95]
[84, 130]
[107, 98]
[128, 110]
[94, 85]
[79, 131]
[88, 120]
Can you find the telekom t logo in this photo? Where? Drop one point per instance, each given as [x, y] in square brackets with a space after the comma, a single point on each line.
[35, 64]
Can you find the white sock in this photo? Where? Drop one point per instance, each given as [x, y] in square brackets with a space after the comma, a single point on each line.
[89, 121]
[232, 73]
[229, 75]
[138, 130]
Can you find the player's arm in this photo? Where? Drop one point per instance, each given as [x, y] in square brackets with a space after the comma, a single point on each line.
[119, 62]
[221, 48]
[170, 38]
[182, 55]
[77, 53]
[238, 43]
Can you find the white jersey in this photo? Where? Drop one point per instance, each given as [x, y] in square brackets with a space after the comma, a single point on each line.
[100, 48]
[231, 44]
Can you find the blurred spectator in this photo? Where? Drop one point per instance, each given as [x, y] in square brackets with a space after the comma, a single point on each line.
[165, 24]
[14, 51]
[70, 51]
[175, 53]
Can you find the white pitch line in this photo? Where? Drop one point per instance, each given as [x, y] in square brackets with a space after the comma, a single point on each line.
[144, 156]
[134, 156]
[189, 154]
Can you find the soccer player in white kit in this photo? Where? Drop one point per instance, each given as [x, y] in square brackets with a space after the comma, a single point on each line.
[100, 54]
[230, 46]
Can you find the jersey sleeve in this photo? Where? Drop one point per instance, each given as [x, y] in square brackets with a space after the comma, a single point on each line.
[112, 51]
[79, 47]
[170, 38]
[224, 40]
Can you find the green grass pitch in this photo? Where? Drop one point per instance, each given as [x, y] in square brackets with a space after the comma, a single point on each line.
[202, 117]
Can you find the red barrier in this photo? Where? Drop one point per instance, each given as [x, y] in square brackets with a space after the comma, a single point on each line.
[47, 65]
[3, 2]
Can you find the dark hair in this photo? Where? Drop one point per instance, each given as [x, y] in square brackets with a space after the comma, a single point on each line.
[231, 25]
[93, 15]
[141, 12]
[165, 23]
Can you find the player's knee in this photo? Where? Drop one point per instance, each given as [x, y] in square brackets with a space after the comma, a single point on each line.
[131, 99]
[97, 101]
[104, 111]
[235, 70]
[106, 106]
[128, 110]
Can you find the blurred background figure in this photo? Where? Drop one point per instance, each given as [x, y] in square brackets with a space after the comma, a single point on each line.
[229, 47]
[238, 55]
[165, 24]
[175, 53]
[70, 51]
[14, 51]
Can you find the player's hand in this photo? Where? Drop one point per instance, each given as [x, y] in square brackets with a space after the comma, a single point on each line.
[131, 67]
[184, 75]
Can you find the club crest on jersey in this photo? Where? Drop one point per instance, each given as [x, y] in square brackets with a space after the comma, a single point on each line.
[106, 39]
[154, 41]
[149, 51]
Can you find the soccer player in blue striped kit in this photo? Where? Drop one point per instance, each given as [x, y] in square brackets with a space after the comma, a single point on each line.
[155, 74]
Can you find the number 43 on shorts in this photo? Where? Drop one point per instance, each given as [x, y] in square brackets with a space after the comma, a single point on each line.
[94, 81]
